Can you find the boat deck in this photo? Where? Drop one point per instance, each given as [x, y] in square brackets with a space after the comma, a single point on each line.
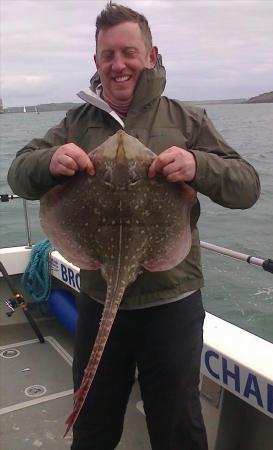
[36, 391]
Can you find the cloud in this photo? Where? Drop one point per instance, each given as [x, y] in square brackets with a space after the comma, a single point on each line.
[211, 49]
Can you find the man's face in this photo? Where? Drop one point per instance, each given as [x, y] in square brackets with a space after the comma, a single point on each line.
[120, 58]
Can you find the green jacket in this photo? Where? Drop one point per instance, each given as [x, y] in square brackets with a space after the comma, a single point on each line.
[158, 122]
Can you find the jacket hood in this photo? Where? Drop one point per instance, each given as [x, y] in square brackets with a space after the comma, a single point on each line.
[150, 85]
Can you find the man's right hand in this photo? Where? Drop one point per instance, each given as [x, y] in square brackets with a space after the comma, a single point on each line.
[69, 159]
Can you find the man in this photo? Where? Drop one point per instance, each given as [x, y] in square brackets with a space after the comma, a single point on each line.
[159, 325]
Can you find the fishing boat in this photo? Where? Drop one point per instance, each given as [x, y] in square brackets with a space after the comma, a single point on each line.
[36, 356]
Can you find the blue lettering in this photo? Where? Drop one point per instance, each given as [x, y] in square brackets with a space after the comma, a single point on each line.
[64, 273]
[71, 277]
[77, 279]
[228, 373]
[211, 354]
[270, 398]
[252, 387]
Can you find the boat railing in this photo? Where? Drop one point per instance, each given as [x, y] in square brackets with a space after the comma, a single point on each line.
[265, 264]
[6, 198]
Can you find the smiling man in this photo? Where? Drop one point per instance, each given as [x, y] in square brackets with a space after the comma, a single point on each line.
[120, 58]
[159, 326]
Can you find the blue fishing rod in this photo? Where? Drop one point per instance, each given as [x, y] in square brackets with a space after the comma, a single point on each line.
[18, 301]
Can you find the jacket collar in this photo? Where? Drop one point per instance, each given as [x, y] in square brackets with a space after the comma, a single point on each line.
[151, 84]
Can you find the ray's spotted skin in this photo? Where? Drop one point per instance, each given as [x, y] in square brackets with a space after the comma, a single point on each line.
[118, 221]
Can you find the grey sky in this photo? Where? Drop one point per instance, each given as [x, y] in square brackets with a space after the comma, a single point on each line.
[211, 49]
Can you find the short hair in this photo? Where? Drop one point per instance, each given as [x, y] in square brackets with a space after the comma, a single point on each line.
[114, 14]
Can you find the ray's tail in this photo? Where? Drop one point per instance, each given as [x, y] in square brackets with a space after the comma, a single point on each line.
[111, 306]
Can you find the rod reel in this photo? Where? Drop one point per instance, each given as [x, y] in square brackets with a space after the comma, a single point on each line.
[18, 301]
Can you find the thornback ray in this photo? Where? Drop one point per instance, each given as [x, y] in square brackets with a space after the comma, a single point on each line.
[118, 221]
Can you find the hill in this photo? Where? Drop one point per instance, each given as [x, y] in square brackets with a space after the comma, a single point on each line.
[267, 97]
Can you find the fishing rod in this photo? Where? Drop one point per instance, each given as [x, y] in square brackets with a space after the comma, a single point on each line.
[19, 301]
[7, 197]
[266, 264]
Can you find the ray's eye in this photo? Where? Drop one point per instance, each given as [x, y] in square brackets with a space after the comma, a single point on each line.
[107, 178]
[134, 178]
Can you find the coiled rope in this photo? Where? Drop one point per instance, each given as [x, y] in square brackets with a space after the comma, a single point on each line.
[37, 277]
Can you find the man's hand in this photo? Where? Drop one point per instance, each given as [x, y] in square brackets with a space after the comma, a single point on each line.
[175, 163]
[69, 159]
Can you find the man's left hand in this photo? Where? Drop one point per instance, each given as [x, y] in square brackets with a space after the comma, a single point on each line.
[175, 163]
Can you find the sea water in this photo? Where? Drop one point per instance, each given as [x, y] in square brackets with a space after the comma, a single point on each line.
[235, 291]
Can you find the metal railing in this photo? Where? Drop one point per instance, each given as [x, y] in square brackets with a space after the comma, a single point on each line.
[266, 264]
[6, 198]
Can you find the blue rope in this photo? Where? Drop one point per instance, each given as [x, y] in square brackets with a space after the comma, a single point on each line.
[36, 278]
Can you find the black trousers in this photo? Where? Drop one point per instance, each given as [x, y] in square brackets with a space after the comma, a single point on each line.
[165, 343]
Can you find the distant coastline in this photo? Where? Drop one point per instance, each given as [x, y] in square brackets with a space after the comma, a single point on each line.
[266, 97]
[41, 108]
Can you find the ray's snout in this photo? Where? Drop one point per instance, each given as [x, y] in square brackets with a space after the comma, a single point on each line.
[120, 151]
